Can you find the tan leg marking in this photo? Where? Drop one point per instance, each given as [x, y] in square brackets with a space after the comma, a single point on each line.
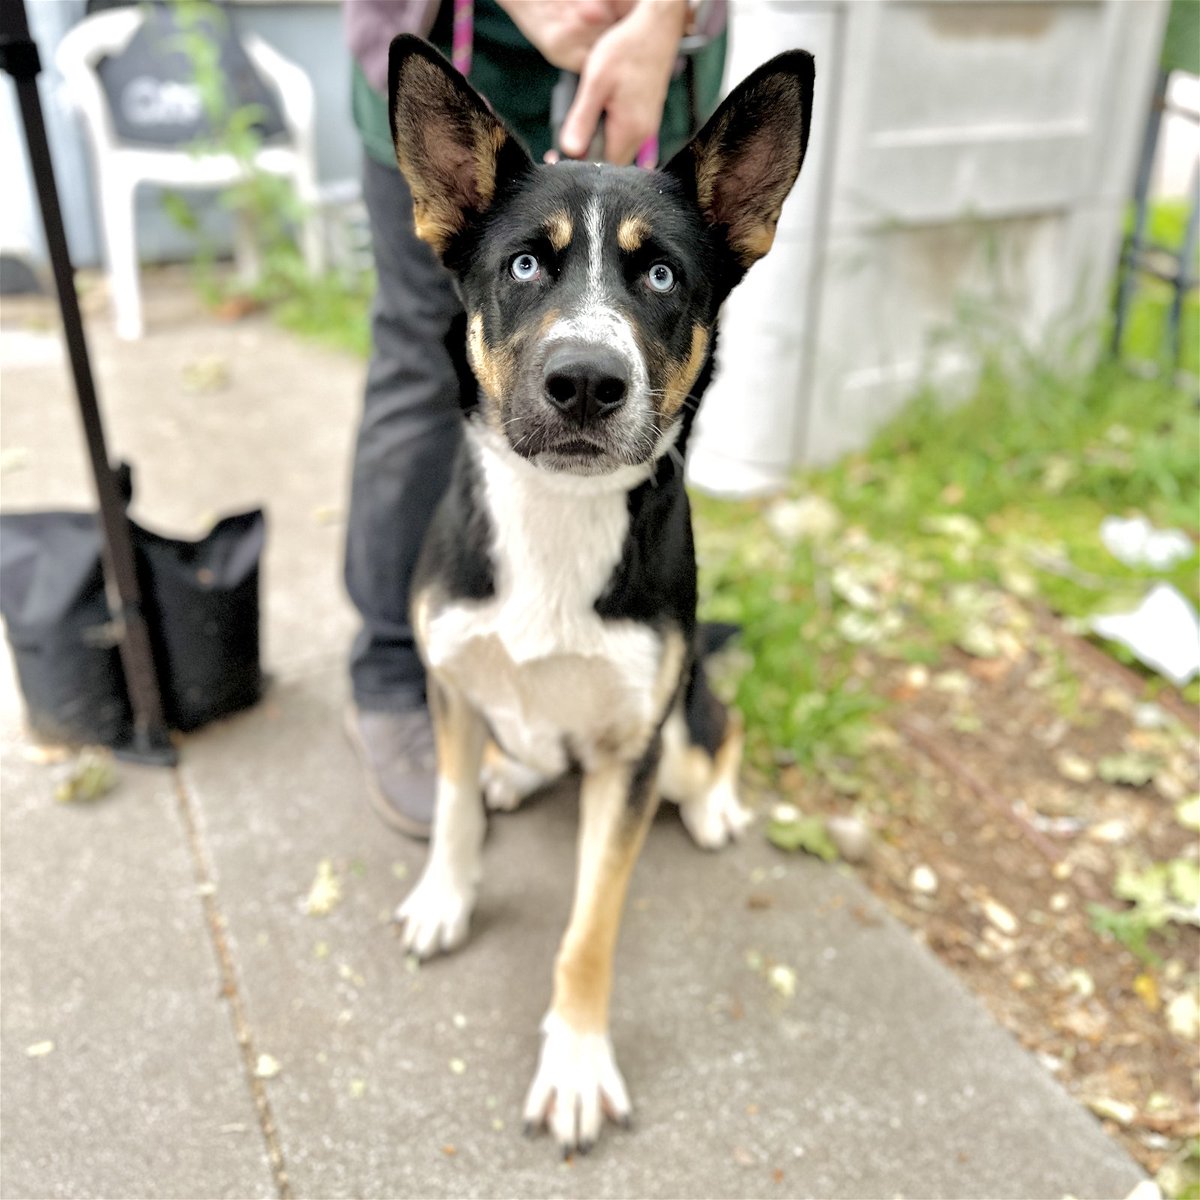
[611, 833]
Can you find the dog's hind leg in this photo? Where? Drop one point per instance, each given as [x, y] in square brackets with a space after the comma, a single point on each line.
[507, 781]
[577, 1079]
[437, 912]
[702, 752]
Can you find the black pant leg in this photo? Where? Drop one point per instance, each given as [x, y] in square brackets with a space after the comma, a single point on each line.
[410, 431]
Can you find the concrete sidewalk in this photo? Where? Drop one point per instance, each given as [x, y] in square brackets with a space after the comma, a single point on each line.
[158, 938]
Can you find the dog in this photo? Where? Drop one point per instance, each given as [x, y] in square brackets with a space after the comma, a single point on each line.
[554, 601]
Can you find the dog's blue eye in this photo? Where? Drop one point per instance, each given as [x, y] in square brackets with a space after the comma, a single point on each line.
[524, 267]
[660, 277]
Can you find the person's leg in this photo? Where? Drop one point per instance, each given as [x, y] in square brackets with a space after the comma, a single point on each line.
[410, 431]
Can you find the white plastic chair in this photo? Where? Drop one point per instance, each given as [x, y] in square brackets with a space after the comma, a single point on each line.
[120, 167]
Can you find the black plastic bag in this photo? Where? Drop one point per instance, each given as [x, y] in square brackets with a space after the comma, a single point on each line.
[58, 626]
[201, 602]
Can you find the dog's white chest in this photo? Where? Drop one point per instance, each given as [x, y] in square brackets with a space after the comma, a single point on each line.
[553, 678]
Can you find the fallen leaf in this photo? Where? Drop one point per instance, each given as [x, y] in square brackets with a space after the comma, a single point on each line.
[923, 880]
[1082, 983]
[851, 837]
[1132, 770]
[457, 1066]
[1086, 1025]
[783, 980]
[956, 526]
[1112, 1110]
[1074, 767]
[803, 833]
[1145, 987]
[267, 1067]
[209, 374]
[810, 518]
[1000, 916]
[1187, 813]
[91, 777]
[978, 639]
[1183, 1016]
[325, 893]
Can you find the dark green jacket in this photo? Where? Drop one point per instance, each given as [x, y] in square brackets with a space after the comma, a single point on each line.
[518, 81]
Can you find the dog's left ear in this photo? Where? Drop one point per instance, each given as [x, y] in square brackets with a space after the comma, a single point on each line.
[742, 164]
[453, 151]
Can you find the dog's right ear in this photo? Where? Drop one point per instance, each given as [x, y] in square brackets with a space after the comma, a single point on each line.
[740, 167]
[454, 152]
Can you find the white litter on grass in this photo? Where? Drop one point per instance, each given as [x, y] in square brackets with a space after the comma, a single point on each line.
[811, 518]
[1183, 1016]
[1138, 544]
[1163, 632]
[923, 880]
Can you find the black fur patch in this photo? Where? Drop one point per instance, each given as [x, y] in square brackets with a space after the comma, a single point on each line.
[456, 554]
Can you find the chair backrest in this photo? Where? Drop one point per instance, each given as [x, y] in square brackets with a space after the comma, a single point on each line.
[137, 82]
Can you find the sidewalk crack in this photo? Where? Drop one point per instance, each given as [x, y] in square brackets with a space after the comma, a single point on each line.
[230, 989]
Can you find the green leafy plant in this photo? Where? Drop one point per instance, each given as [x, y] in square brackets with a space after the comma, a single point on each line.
[1159, 896]
[265, 203]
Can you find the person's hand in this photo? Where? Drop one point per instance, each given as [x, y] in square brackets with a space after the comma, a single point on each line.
[625, 77]
[564, 31]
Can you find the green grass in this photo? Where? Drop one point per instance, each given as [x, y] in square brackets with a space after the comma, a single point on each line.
[1145, 338]
[947, 512]
[332, 311]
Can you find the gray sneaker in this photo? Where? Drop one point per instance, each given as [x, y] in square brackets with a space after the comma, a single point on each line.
[397, 753]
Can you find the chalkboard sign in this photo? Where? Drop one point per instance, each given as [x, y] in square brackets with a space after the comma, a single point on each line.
[151, 90]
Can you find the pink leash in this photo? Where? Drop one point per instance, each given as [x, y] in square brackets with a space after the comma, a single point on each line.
[460, 55]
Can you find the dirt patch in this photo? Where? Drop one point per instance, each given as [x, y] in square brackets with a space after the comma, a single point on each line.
[995, 836]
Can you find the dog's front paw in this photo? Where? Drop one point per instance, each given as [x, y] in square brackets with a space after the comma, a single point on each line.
[435, 916]
[715, 819]
[576, 1083]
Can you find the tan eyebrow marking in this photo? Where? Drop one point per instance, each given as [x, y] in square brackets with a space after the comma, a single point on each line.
[631, 233]
[559, 230]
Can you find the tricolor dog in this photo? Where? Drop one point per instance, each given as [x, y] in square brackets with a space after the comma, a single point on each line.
[555, 599]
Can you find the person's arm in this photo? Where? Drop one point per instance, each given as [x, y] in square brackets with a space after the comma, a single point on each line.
[625, 78]
[371, 24]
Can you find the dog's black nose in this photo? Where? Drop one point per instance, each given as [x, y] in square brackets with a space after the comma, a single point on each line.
[585, 382]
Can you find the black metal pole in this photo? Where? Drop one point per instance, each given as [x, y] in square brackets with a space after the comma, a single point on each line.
[152, 742]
